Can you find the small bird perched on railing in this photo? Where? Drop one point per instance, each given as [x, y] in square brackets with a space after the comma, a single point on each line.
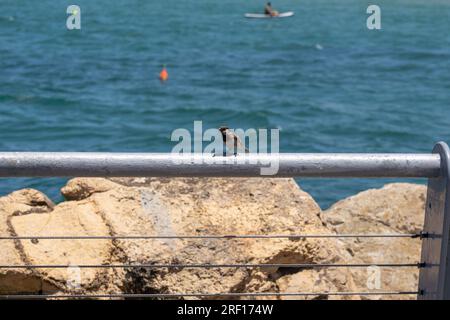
[231, 140]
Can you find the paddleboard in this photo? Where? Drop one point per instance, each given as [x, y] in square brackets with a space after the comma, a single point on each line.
[268, 16]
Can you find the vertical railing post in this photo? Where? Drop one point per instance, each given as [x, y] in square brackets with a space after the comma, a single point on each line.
[434, 276]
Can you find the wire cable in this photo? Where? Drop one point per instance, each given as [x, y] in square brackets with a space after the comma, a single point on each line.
[276, 236]
[232, 294]
[210, 266]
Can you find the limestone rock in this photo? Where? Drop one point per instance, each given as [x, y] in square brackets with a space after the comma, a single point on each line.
[192, 206]
[169, 207]
[30, 213]
[82, 188]
[18, 203]
[66, 220]
[177, 207]
[307, 281]
[395, 208]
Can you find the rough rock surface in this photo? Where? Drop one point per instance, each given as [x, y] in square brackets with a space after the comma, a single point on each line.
[173, 207]
[17, 203]
[192, 206]
[395, 208]
[30, 213]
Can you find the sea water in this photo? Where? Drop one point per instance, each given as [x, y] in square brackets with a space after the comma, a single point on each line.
[322, 77]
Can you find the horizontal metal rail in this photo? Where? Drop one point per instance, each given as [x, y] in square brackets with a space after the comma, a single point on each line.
[226, 237]
[210, 266]
[178, 295]
[85, 164]
[434, 275]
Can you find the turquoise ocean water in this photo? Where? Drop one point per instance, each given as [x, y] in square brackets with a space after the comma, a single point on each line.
[322, 77]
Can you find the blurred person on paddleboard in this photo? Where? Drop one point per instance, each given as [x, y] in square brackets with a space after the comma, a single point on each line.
[269, 10]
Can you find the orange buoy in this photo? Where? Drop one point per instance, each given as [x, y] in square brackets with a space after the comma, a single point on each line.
[164, 75]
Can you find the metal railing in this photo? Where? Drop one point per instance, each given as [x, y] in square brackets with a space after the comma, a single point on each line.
[434, 275]
[80, 164]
